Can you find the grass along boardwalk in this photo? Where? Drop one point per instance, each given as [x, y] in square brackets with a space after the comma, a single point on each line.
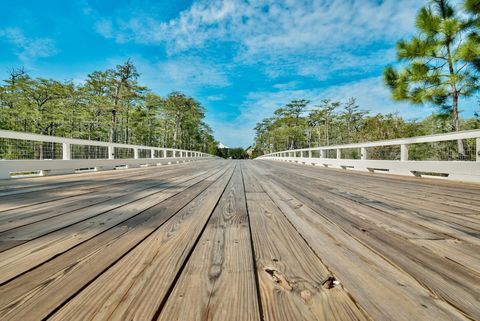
[238, 240]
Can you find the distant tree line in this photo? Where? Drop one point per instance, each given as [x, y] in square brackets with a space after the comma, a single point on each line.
[233, 153]
[110, 105]
[300, 124]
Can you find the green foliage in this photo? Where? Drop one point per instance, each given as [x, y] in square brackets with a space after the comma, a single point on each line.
[109, 106]
[336, 123]
[233, 153]
[442, 63]
[473, 6]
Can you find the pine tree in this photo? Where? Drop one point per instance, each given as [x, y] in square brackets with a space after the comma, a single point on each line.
[443, 60]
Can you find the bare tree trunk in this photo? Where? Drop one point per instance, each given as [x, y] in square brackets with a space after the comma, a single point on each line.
[72, 122]
[456, 126]
[175, 132]
[127, 134]
[327, 139]
[456, 123]
[113, 135]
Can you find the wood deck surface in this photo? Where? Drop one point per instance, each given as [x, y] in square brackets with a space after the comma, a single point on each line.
[238, 240]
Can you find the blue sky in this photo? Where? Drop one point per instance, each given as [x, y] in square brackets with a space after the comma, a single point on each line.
[240, 59]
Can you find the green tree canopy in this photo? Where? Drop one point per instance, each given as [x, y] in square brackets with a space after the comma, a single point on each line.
[442, 62]
[111, 105]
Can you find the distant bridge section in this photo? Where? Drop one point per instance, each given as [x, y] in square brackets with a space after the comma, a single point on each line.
[423, 156]
[29, 154]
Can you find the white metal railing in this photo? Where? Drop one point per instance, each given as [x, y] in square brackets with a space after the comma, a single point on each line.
[433, 155]
[22, 153]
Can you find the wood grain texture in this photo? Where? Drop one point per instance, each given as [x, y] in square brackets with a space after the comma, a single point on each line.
[218, 282]
[294, 283]
[35, 294]
[25, 256]
[134, 287]
[29, 214]
[239, 240]
[444, 286]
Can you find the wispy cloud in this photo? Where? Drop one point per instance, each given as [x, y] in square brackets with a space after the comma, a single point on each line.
[275, 25]
[182, 73]
[105, 28]
[285, 36]
[216, 97]
[26, 48]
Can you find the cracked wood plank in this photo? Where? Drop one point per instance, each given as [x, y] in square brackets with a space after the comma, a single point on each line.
[218, 282]
[294, 283]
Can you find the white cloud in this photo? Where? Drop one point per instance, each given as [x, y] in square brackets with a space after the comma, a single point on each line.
[272, 25]
[28, 49]
[216, 97]
[191, 72]
[316, 38]
[186, 74]
[105, 28]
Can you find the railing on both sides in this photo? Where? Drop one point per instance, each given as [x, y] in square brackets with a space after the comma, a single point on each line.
[31, 154]
[454, 156]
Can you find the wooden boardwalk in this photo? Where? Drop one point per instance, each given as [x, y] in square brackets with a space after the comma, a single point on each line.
[238, 240]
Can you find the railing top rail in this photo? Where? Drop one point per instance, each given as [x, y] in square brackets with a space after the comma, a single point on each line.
[74, 141]
[401, 141]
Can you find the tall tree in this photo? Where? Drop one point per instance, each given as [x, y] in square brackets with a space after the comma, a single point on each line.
[98, 88]
[324, 113]
[125, 87]
[294, 124]
[443, 61]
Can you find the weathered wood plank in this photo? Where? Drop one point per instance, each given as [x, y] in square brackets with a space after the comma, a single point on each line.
[400, 248]
[41, 193]
[294, 283]
[37, 293]
[456, 286]
[30, 254]
[97, 193]
[218, 282]
[429, 220]
[135, 286]
[127, 194]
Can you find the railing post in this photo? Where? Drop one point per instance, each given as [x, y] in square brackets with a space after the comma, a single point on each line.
[111, 152]
[478, 149]
[66, 151]
[323, 153]
[404, 152]
[364, 153]
[309, 154]
[152, 153]
[339, 153]
[135, 153]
